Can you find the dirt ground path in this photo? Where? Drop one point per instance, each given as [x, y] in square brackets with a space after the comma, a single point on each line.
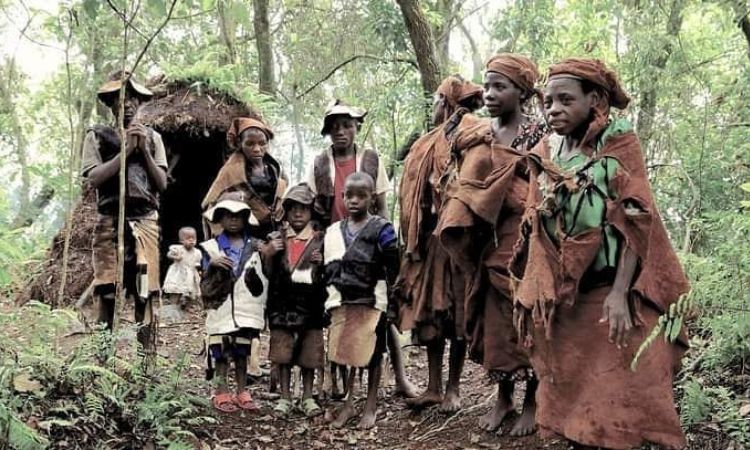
[396, 427]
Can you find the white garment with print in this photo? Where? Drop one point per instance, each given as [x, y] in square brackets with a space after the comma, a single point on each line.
[182, 276]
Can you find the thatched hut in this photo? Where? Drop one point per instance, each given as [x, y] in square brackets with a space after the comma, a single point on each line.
[193, 121]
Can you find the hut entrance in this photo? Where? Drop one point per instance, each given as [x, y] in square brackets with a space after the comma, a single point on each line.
[193, 121]
[194, 163]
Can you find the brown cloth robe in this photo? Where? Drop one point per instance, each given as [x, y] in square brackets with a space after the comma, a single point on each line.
[429, 289]
[587, 392]
[478, 227]
[232, 177]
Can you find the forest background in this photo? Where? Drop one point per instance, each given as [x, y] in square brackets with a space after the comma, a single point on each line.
[686, 63]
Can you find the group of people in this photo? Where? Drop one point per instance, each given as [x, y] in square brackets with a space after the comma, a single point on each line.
[528, 240]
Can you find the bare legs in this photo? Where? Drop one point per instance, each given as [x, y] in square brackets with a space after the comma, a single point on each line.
[452, 400]
[434, 393]
[503, 405]
[404, 387]
[369, 414]
[525, 424]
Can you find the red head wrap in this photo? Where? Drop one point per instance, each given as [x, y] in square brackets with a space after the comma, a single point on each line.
[519, 69]
[596, 72]
[241, 124]
[455, 90]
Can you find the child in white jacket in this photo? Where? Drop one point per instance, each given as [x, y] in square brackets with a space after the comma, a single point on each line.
[236, 311]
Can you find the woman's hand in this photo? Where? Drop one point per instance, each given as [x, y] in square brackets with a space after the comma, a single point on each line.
[617, 312]
[222, 261]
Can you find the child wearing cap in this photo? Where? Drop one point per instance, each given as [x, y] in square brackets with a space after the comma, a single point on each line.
[234, 292]
[293, 260]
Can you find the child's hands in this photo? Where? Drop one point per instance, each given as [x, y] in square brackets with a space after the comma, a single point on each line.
[174, 254]
[274, 246]
[617, 313]
[222, 261]
[316, 257]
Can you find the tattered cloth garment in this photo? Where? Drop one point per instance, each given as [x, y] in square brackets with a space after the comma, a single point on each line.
[587, 391]
[233, 177]
[429, 288]
[141, 251]
[479, 227]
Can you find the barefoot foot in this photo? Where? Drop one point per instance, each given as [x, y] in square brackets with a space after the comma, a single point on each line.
[525, 425]
[345, 413]
[492, 420]
[368, 420]
[406, 389]
[451, 402]
[428, 398]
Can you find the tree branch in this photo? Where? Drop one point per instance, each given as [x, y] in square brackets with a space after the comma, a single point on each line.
[350, 60]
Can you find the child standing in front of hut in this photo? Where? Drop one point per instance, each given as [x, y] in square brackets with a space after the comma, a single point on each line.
[362, 261]
[297, 295]
[235, 308]
[182, 284]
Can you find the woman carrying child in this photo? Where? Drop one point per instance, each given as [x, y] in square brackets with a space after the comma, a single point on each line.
[297, 293]
[251, 169]
[234, 293]
[596, 269]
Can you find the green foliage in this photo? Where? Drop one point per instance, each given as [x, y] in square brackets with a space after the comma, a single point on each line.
[89, 394]
[702, 403]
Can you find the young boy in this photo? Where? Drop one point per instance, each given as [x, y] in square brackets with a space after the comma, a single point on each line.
[296, 317]
[361, 257]
[235, 306]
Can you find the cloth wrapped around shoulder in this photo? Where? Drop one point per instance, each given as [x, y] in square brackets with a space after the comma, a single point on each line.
[553, 272]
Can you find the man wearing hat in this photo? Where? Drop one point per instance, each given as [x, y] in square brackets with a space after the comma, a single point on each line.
[344, 157]
[326, 179]
[146, 178]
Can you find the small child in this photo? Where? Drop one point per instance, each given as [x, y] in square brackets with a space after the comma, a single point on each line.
[362, 261]
[182, 283]
[235, 311]
[297, 295]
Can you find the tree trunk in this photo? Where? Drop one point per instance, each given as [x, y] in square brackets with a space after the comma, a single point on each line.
[443, 32]
[227, 32]
[649, 85]
[296, 120]
[266, 82]
[422, 41]
[476, 57]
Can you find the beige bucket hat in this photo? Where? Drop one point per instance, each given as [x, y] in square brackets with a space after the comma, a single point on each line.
[339, 108]
[231, 201]
[111, 87]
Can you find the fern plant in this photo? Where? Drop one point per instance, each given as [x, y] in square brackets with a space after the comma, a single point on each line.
[92, 393]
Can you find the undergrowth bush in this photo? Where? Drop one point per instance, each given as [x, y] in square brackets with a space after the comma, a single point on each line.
[89, 395]
[714, 383]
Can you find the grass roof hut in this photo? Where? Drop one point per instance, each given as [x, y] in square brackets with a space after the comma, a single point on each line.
[193, 121]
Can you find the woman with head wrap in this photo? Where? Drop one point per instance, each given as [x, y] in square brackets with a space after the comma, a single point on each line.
[479, 225]
[254, 172]
[430, 290]
[595, 269]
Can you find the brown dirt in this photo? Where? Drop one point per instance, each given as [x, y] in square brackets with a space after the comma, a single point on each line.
[396, 428]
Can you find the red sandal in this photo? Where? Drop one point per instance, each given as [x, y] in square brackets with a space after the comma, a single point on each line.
[245, 401]
[224, 402]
